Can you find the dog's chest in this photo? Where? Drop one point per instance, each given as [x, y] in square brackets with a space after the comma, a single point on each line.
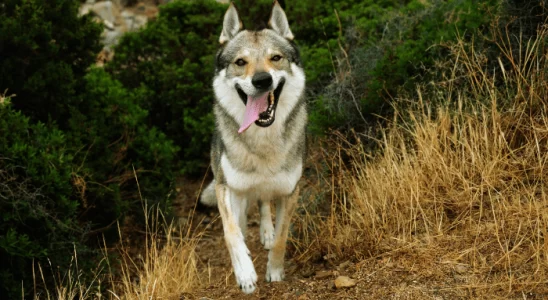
[261, 163]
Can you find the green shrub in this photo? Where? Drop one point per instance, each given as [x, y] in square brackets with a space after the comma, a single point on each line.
[70, 143]
[172, 59]
[111, 138]
[59, 186]
[45, 50]
[38, 205]
[389, 46]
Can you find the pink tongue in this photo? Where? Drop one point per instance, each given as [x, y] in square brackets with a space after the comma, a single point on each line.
[253, 108]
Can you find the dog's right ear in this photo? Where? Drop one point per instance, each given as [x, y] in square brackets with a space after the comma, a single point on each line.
[231, 24]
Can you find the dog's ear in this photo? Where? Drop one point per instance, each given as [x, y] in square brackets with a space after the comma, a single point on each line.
[278, 21]
[231, 24]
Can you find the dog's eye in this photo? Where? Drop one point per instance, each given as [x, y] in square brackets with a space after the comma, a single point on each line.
[276, 58]
[240, 62]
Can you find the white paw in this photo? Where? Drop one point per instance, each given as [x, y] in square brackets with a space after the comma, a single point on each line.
[247, 285]
[246, 277]
[274, 273]
[267, 238]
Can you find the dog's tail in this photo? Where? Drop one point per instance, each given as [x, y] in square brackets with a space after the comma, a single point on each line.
[208, 196]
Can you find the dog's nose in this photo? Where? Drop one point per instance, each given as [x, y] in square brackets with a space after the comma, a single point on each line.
[262, 81]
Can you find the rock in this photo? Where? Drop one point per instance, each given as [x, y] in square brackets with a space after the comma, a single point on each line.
[139, 21]
[111, 38]
[344, 282]
[104, 56]
[149, 11]
[118, 18]
[106, 10]
[108, 25]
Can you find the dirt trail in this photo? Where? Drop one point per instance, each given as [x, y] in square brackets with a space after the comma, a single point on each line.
[376, 278]
[219, 283]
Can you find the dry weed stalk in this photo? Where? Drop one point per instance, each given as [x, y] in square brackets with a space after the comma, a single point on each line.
[168, 267]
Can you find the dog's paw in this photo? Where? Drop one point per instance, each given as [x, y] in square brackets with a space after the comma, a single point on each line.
[245, 274]
[248, 285]
[274, 274]
[267, 238]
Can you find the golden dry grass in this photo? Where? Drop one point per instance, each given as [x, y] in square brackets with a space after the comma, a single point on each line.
[462, 184]
[167, 268]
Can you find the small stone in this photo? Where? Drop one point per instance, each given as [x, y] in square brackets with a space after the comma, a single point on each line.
[106, 10]
[344, 282]
[108, 25]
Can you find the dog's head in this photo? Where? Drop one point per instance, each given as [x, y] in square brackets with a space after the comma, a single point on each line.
[260, 69]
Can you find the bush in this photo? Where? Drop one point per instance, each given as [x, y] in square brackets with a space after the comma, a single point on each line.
[172, 59]
[39, 207]
[71, 142]
[45, 50]
[388, 48]
[111, 139]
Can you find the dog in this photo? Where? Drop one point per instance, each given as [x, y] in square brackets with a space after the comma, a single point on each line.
[258, 146]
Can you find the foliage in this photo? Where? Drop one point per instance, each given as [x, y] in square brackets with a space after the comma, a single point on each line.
[109, 128]
[463, 181]
[172, 59]
[38, 205]
[75, 136]
[387, 47]
[45, 50]
[72, 141]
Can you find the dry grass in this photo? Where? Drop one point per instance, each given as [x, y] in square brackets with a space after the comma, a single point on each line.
[462, 184]
[168, 267]
[69, 284]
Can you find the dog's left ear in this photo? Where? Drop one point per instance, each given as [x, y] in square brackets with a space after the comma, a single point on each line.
[278, 21]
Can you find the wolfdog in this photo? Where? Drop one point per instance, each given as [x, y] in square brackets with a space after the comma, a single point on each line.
[258, 144]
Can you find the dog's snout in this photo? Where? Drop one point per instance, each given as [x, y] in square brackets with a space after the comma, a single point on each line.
[262, 81]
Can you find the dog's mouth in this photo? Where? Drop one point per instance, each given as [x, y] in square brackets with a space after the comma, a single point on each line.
[260, 109]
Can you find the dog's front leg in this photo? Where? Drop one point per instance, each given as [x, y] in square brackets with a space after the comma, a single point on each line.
[285, 207]
[230, 209]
